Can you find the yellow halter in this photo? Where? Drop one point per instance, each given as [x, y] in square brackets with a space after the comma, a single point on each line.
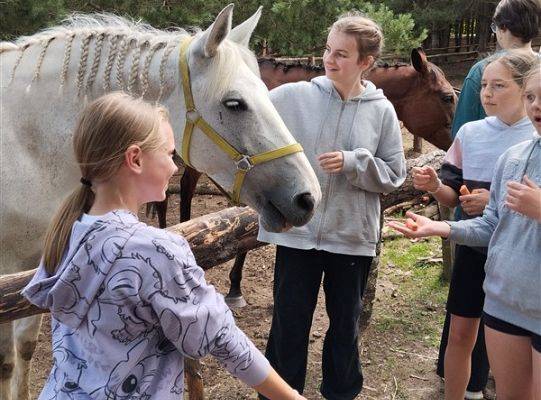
[243, 162]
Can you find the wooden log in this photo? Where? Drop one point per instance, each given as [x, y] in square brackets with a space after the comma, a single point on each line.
[214, 239]
[407, 191]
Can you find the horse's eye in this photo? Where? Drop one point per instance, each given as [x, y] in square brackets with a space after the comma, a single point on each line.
[235, 105]
[447, 98]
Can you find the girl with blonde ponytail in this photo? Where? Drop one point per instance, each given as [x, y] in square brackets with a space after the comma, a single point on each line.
[128, 301]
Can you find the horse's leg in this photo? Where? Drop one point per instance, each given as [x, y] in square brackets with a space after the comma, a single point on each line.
[161, 210]
[234, 298]
[26, 337]
[7, 359]
[188, 182]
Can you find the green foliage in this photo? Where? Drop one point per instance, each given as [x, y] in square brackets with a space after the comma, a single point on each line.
[289, 27]
[398, 30]
[24, 17]
[416, 273]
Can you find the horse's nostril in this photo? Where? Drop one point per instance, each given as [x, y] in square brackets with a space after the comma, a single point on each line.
[305, 201]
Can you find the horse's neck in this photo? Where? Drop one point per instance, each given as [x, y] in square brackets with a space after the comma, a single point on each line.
[395, 81]
[90, 65]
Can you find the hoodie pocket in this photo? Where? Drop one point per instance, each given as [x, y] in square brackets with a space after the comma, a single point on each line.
[514, 284]
[345, 219]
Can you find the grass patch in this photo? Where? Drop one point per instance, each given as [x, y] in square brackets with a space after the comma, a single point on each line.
[414, 271]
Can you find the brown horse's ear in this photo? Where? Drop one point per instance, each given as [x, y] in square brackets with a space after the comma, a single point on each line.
[419, 60]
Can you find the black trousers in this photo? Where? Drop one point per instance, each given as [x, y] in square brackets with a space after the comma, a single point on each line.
[297, 278]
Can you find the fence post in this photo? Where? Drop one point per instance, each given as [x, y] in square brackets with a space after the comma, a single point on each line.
[447, 247]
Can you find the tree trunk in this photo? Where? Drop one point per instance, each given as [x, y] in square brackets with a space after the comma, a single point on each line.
[447, 247]
[370, 291]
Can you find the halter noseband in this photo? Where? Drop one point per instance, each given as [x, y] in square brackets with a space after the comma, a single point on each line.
[243, 162]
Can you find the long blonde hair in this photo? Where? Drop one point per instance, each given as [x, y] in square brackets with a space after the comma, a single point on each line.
[106, 128]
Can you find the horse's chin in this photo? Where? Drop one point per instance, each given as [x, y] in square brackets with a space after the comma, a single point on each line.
[272, 219]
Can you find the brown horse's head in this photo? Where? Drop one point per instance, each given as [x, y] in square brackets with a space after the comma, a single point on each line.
[423, 99]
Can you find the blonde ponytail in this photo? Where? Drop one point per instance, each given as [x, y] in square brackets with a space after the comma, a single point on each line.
[59, 230]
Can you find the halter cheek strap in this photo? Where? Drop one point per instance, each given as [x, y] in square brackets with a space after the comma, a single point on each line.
[243, 162]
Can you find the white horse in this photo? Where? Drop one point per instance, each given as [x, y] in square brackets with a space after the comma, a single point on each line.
[47, 78]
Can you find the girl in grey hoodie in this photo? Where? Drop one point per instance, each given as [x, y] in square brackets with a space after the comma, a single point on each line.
[351, 136]
[128, 302]
[511, 228]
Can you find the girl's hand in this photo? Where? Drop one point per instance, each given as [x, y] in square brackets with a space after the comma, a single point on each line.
[425, 178]
[331, 162]
[425, 227]
[475, 203]
[524, 198]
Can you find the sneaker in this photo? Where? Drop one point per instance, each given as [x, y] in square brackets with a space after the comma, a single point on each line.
[474, 395]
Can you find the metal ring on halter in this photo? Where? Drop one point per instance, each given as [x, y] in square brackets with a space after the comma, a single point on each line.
[192, 116]
[244, 164]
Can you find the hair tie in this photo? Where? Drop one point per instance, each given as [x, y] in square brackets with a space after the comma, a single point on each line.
[86, 182]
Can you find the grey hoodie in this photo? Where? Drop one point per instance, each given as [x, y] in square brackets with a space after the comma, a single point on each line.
[513, 268]
[366, 130]
[128, 304]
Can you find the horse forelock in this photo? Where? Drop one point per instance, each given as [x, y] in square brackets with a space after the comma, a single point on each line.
[223, 66]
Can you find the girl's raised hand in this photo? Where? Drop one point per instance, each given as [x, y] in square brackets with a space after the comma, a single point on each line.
[425, 178]
[423, 227]
[524, 198]
[475, 202]
[331, 162]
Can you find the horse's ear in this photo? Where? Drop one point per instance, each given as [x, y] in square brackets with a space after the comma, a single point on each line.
[419, 60]
[211, 39]
[241, 33]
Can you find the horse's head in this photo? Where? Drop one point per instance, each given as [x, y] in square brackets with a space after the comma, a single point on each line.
[429, 111]
[234, 102]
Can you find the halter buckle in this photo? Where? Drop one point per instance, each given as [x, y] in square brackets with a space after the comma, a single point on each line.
[244, 164]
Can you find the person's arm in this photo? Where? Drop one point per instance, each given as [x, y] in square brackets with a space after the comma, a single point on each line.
[274, 387]
[194, 316]
[426, 178]
[383, 171]
[472, 232]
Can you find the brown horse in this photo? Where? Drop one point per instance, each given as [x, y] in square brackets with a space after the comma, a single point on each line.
[423, 99]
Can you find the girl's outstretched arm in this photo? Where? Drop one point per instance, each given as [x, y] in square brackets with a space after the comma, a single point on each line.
[424, 227]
